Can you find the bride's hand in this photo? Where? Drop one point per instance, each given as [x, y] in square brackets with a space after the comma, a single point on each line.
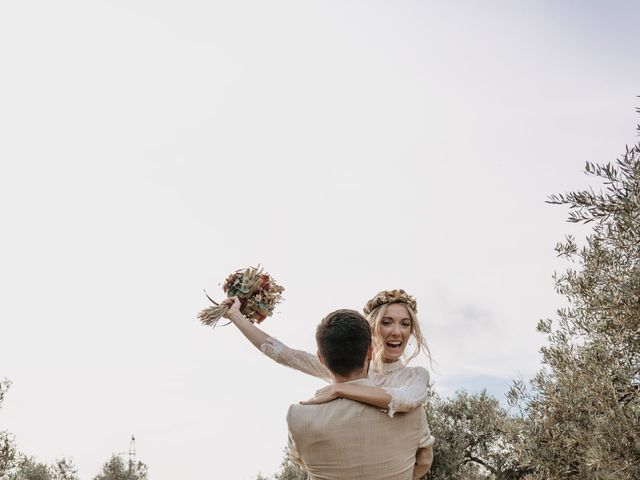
[234, 307]
[323, 395]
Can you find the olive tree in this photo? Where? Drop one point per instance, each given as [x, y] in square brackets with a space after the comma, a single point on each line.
[116, 469]
[473, 438]
[8, 453]
[582, 410]
[288, 470]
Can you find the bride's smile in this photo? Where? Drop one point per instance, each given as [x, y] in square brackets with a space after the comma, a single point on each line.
[394, 330]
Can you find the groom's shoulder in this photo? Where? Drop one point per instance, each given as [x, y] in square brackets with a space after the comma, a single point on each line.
[299, 416]
[298, 410]
[293, 408]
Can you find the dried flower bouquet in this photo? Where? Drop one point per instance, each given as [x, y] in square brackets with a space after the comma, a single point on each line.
[257, 291]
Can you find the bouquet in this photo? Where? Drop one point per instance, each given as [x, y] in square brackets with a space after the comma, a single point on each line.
[257, 291]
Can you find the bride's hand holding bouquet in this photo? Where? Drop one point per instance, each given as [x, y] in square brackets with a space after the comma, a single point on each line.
[233, 303]
[256, 292]
[245, 325]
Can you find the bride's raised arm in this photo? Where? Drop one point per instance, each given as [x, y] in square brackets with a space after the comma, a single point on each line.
[297, 359]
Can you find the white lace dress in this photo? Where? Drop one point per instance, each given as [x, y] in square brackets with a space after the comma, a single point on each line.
[407, 386]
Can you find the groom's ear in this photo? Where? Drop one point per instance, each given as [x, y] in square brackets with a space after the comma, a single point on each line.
[321, 358]
[367, 362]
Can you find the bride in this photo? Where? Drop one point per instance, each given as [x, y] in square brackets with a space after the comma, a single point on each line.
[398, 388]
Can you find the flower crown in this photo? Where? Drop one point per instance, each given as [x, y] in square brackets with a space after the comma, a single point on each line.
[391, 296]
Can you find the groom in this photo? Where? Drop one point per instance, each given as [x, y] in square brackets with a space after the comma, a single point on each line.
[345, 439]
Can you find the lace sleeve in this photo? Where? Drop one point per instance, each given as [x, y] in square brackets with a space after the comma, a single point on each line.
[412, 393]
[296, 359]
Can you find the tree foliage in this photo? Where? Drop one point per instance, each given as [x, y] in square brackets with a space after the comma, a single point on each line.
[116, 469]
[473, 438]
[8, 453]
[28, 468]
[582, 410]
[64, 469]
[288, 470]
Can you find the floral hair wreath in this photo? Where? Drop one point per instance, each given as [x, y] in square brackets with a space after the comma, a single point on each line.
[391, 296]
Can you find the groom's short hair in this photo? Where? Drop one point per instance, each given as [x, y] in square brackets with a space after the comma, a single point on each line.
[343, 339]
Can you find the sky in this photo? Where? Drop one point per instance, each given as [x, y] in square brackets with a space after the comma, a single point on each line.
[149, 149]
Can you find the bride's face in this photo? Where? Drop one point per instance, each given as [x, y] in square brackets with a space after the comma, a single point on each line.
[394, 330]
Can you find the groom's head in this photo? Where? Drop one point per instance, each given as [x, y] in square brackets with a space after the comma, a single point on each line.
[344, 342]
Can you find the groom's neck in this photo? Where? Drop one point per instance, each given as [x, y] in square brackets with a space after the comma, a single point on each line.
[357, 375]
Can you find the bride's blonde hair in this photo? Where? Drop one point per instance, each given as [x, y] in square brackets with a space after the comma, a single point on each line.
[375, 310]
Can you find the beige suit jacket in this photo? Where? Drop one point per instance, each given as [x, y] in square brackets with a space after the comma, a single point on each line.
[344, 439]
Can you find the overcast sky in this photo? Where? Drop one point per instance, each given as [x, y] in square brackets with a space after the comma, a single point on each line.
[148, 149]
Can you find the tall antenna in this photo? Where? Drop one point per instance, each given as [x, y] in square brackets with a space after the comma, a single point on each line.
[131, 453]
